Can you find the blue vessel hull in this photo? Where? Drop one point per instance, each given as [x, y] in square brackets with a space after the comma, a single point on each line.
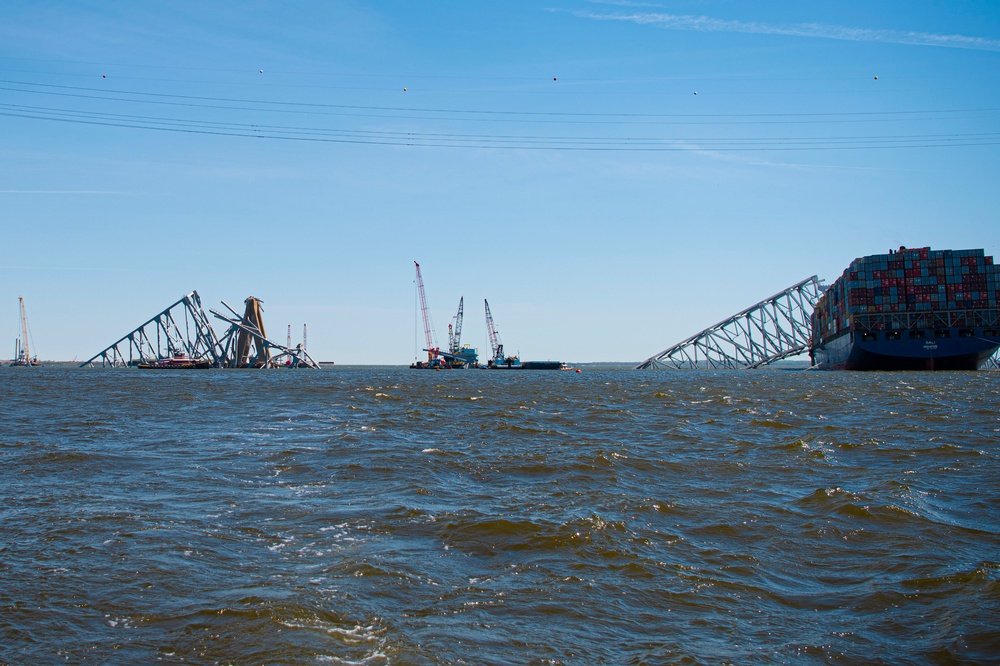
[938, 349]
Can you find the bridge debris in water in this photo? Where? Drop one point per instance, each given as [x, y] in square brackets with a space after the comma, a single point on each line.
[183, 329]
[774, 329]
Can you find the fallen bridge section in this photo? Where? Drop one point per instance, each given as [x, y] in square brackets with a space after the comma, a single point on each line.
[774, 329]
[183, 330]
[182, 327]
[246, 345]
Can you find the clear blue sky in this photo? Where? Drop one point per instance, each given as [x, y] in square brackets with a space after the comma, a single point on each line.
[552, 158]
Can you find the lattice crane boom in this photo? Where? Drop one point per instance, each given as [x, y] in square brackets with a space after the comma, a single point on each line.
[432, 348]
[491, 329]
[455, 333]
[24, 330]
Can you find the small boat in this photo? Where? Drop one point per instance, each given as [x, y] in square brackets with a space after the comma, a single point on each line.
[179, 361]
[22, 355]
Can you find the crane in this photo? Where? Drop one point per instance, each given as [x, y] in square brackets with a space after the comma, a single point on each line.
[491, 329]
[24, 332]
[432, 348]
[498, 360]
[455, 333]
[22, 351]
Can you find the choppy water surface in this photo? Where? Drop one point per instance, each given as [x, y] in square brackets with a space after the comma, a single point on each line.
[387, 516]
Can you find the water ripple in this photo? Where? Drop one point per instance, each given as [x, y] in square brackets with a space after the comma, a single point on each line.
[383, 516]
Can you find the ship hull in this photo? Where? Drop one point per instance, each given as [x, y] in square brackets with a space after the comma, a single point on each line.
[176, 364]
[528, 365]
[941, 349]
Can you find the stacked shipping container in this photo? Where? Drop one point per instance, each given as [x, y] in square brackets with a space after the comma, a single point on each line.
[908, 281]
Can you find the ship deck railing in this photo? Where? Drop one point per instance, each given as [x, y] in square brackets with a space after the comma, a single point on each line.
[926, 319]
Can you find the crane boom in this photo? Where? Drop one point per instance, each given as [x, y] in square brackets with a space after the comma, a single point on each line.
[24, 331]
[491, 329]
[432, 349]
[455, 335]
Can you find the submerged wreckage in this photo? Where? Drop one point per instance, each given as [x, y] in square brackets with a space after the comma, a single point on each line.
[182, 337]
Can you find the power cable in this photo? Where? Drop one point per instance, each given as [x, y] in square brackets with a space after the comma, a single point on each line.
[474, 112]
[923, 141]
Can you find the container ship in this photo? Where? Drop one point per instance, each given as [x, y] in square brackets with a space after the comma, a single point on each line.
[911, 309]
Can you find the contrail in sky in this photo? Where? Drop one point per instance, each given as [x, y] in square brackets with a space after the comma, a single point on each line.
[822, 31]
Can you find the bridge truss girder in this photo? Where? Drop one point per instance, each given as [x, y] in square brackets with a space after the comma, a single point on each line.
[245, 344]
[182, 327]
[776, 328]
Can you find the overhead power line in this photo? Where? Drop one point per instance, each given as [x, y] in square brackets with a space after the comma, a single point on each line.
[271, 105]
[519, 141]
[228, 116]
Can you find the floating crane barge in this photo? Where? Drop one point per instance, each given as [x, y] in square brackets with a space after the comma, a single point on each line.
[461, 356]
[501, 362]
[22, 351]
[458, 356]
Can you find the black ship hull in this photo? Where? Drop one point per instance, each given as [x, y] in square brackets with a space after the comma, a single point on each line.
[940, 349]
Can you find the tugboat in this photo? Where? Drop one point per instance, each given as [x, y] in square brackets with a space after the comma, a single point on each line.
[22, 355]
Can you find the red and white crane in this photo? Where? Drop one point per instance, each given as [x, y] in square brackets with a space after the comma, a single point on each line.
[432, 348]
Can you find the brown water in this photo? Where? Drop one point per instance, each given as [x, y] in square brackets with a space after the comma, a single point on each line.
[387, 516]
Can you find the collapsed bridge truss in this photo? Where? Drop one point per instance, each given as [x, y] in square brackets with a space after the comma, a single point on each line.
[774, 329]
[184, 328]
[246, 345]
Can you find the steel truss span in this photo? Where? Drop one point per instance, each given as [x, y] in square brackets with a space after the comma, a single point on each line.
[184, 328]
[774, 329]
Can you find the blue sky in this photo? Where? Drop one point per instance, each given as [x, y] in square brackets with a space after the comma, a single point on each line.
[612, 176]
